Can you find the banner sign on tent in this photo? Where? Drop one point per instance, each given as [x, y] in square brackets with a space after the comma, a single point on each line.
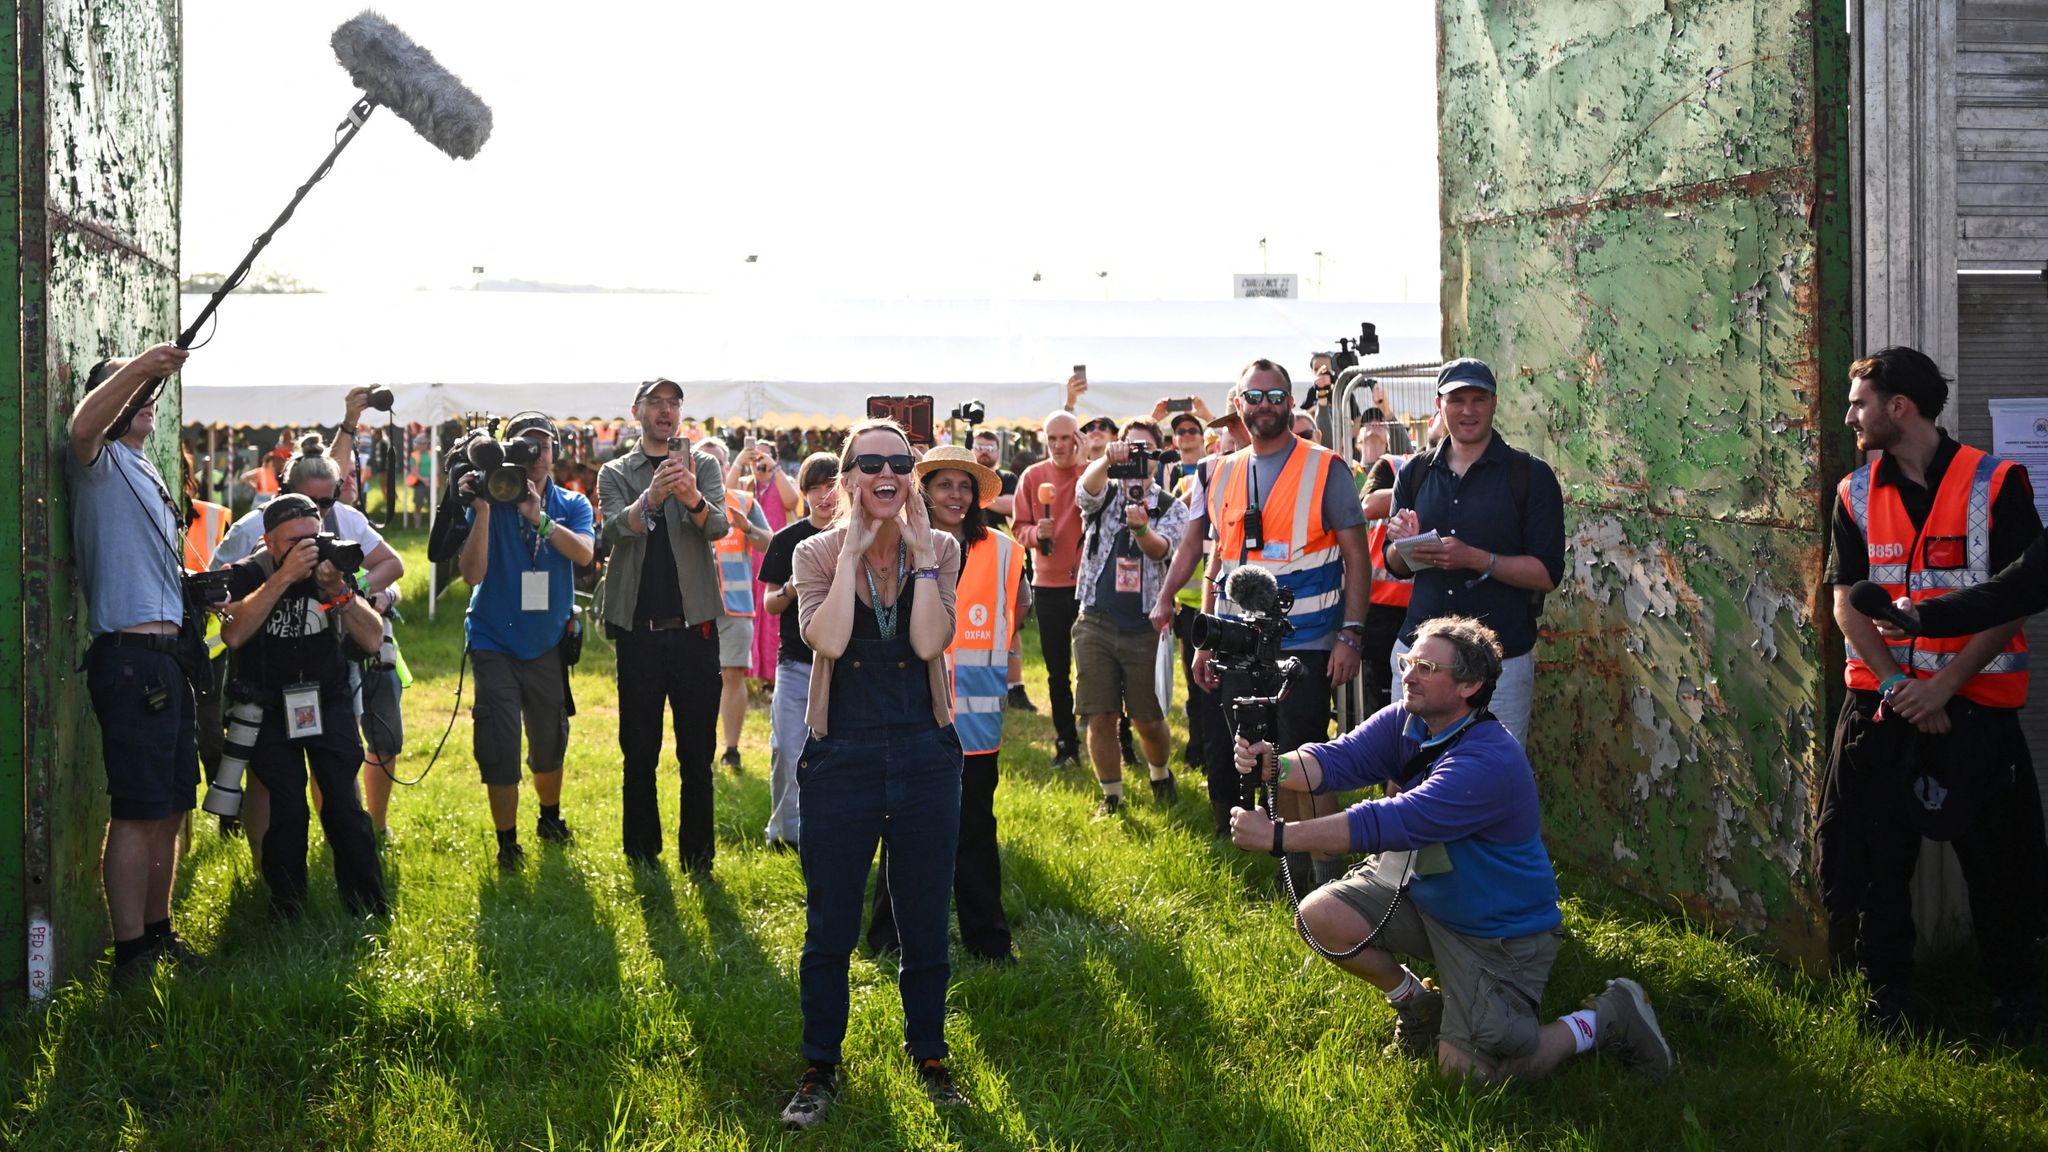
[1278, 286]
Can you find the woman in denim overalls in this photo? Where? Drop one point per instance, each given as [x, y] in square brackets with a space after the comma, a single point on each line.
[875, 598]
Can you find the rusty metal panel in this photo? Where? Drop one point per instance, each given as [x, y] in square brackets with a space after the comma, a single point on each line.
[97, 228]
[1643, 234]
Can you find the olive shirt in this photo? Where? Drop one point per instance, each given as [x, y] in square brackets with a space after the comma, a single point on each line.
[816, 560]
[619, 483]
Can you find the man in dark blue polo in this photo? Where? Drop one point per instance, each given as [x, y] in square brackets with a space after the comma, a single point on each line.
[1498, 545]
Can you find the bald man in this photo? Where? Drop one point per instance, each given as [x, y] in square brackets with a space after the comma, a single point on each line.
[1049, 520]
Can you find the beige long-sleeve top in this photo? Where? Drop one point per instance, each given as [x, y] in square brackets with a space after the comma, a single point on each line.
[814, 563]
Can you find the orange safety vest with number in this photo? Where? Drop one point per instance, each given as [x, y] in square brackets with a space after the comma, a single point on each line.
[203, 535]
[1951, 550]
[1387, 588]
[736, 557]
[986, 614]
[1297, 549]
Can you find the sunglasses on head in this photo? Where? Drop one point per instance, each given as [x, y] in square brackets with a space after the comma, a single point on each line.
[1268, 396]
[872, 462]
[1411, 663]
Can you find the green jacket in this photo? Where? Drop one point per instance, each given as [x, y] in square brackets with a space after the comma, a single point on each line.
[619, 483]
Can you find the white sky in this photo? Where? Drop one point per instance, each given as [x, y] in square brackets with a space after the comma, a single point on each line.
[942, 150]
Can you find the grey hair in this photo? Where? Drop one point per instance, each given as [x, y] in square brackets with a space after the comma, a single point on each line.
[1475, 652]
[311, 463]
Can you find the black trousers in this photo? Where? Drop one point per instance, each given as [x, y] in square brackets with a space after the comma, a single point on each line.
[1197, 714]
[977, 871]
[334, 757]
[1868, 842]
[1304, 719]
[1376, 663]
[674, 671]
[1057, 609]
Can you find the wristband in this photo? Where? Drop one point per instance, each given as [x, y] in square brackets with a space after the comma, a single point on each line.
[1351, 642]
[1279, 838]
[1492, 558]
[1891, 682]
[699, 508]
[1140, 531]
[1358, 624]
[924, 573]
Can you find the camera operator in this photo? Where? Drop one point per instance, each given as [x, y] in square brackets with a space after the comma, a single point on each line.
[1133, 525]
[1462, 879]
[289, 611]
[520, 561]
[1290, 505]
[124, 533]
[664, 508]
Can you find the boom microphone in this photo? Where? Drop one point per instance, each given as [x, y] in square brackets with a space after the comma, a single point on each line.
[1253, 590]
[1871, 599]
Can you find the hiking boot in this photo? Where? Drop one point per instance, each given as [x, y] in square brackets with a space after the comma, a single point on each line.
[731, 760]
[553, 829]
[1166, 791]
[815, 1090]
[1625, 1028]
[1416, 1024]
[1065, 758]
[1019, 701]
[938, 1084]
[511, 857]
[1109, 807]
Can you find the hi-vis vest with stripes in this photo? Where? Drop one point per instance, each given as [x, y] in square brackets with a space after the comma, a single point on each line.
[735, 557]
[1387, 588]
[985, 610]
[1298, 550]
[1957, 540]
[203, 536]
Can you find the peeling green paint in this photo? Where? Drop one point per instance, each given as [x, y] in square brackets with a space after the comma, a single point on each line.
[1641, 235]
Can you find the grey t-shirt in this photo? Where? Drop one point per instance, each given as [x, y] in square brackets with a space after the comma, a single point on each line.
[125, 535]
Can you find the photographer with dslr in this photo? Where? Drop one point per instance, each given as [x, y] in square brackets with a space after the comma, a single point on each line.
[520, 560]
[1132, 527]
[1462, 880]
[125, 544]
[292, 605]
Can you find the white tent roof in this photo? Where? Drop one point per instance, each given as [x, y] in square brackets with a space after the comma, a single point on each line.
[287, 359]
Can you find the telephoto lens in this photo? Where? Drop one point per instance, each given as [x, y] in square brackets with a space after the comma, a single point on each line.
[224, 794]
[381, 399]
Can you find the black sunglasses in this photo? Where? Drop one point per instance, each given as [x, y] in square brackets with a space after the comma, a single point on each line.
[872, 462]
[1268, 396]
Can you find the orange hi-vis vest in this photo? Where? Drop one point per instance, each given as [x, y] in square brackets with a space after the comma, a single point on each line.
[1297, 549]
[265, 483]
[1387, 588]
[1952, 550]
[203, 535]
[736, 557]
[985, 616]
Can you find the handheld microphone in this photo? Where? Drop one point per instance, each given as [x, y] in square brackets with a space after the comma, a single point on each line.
[1873, 601]
[1253, 589]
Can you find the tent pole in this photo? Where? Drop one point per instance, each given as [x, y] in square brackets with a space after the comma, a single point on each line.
[434, 506]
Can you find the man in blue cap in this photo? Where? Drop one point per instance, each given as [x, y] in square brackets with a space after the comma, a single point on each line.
[1497, 517]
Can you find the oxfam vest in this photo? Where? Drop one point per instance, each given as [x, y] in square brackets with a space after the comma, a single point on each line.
[1387, 588]
[985, 613]
[1952, 550]
[1297, 548]
[735, 557]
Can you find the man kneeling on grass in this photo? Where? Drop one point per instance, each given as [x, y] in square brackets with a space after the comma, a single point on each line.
[1462, 879]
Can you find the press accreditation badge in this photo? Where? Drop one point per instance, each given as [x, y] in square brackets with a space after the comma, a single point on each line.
[301, 710]
[1127, 575]
[1275, 551]
[533, 591]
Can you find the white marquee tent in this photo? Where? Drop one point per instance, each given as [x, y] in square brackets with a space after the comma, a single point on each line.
[286, 360]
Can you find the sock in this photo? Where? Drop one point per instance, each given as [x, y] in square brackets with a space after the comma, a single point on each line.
[1410, 985]
[156, 930]
[1159, 771]
[1581, 1024]
[551, 811]
[1113, 788]
[126, 950]
[508, 838]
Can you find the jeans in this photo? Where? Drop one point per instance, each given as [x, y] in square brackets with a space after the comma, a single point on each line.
[1513, 693]
[1057, 609]
[674, 670]
[787, 734]
[977, 872]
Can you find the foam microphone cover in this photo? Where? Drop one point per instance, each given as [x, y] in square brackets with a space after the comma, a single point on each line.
[1873, 601]
[1253, 589]
[404, 77]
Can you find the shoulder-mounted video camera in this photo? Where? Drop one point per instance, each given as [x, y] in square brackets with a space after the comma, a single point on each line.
[500, 465]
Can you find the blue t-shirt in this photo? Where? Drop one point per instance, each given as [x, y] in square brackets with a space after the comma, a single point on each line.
[125, 538]
[1493, 878]
[496, 621]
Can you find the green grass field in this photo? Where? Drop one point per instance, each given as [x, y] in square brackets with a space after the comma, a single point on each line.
[1162, 1001]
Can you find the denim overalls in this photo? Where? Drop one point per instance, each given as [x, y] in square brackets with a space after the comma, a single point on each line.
[885, 773]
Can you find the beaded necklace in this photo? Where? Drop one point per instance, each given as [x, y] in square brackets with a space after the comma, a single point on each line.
[885, 618]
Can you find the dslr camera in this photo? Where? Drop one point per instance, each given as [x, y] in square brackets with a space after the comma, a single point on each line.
[1142, 463]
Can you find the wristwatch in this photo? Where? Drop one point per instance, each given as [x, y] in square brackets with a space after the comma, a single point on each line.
[701, 502]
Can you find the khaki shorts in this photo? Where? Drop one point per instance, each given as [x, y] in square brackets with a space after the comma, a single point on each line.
[1113, 670]
[735, 641]
[1492, 988]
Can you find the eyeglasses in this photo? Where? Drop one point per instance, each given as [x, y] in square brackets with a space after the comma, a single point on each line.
[1411, 663]
[1269, 396]
[872, 462]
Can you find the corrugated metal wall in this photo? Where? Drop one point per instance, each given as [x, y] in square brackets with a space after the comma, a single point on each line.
[95, 150]
[2002, 135]
[1645, 232]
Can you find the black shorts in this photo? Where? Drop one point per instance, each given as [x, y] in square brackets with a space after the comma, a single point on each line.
[152, 757]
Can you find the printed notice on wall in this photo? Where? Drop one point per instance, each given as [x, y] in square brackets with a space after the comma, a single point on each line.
[2019, 433]
[41, 955]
